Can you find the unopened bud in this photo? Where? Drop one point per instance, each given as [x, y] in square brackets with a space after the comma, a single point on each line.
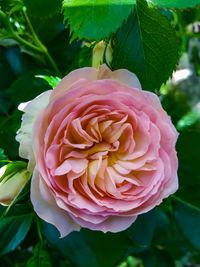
[11, 186]
[101, 51]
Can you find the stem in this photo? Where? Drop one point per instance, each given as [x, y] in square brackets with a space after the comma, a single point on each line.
[36, 39]
[38, 229]
[41, 45]
[15, 36]
[24, 42]
[53, 64]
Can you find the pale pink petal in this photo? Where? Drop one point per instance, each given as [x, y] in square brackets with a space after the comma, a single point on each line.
[24, 134]
[86, 73]
[46, 208]
[76, 165]
[112, 224]
[126, 77]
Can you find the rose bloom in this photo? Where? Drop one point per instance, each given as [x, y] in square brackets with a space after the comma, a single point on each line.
[102, 150]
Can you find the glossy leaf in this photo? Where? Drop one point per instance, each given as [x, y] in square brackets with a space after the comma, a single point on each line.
[95, 20]
[85, 248]
[51, 80]
[141, 231]
[27, 86]
[175, 3]
[143, 43]
[13, 230]
[188, 219]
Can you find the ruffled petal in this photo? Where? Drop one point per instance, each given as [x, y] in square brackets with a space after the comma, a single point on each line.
[46, 208]
[24, 134]
[112, 224]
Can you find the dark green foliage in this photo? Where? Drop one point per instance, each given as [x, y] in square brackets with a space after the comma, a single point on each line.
[156, 257]
[40, 258]
[188, 219]
[141, 232]
[45, 8]
[85, 248]
[188, 147]
[146, 45]
[13, 230]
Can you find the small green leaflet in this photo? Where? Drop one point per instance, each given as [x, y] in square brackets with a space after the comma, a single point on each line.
[52, 81]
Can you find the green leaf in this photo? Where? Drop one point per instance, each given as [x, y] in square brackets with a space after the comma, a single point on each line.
[146, 45]
[27, 86]
[117, 241]
[141, 231]
[51, 80]
[94, 19]
[40, 258]
[44, 8]
[190, 194]
[2, 157]
[72, 247]
[13, 230]
[167, 233]
[85, 248]
[83, 58]
[175, 3]
[19, 209]
[188, 120]
[188, 219]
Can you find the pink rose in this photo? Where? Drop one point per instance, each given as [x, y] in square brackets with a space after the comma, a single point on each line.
[103, 151]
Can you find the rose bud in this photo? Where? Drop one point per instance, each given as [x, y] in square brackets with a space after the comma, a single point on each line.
[11, 185]
[100, 51]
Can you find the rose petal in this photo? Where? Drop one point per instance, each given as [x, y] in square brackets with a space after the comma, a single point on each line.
[46, 208]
